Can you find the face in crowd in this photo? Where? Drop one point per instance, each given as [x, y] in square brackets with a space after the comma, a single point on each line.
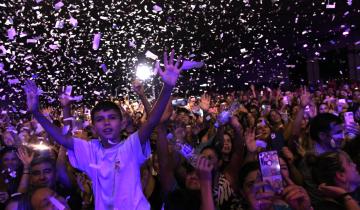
[10, 160]
[107, 124]
[43, 175]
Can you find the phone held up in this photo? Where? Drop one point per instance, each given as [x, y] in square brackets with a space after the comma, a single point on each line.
[270, 171]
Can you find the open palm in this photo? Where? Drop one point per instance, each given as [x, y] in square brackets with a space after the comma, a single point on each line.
[32, 95]
[171, 71]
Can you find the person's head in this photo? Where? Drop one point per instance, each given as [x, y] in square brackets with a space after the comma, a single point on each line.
[10, 138]
[43, 172]
[9, 159]
[106, 118]
[274, 117]
[325, 128]
[248, 176]
[323, 108]
[46, 199]
[262, 129]
[192, 181]
[182, 116]
[335, 169]
[227, 144]
[24, 136]
[212, 154]
[19, 202]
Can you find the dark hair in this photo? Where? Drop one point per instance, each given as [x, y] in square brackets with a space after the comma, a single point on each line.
[217, 150]
[182, 110]
[325, 166]
[7, 150]
[183, 199]
[246, 170]
[105, 106]
[321, 123]
[40, 160]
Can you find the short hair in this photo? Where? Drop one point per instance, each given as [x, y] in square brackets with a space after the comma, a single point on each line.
[40, 160]
[182, 110]
[105, 106]
[321, 123]
[216, 149]
[325, 166]
[246, 170]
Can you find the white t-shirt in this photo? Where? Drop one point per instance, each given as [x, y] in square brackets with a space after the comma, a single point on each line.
[115, 172]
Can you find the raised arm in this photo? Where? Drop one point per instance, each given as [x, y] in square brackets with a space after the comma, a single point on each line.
[139, 89]
[32, 100]
[169, 77]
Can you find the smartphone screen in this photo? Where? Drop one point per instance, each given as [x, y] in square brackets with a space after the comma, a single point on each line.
[179, 102]
[270, 171]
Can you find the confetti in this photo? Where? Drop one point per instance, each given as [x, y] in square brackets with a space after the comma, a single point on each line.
[192, 65]
[96, 41]
[58, 5]
[11, 33]
[151, 55]
[157, 8]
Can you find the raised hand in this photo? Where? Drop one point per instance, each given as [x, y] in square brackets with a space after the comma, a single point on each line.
[250, 140]
[25, 157]
[305, 98]
[331, 191]
[205, 102]
[172, 71]
[32, 95]
[138, 87]
[65, 100]
[296, 197]
[204, 168]
[258, 199]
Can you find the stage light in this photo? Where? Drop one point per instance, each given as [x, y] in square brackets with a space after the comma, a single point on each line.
[143, 72]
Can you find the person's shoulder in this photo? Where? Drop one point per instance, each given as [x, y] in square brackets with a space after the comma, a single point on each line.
[91, 142]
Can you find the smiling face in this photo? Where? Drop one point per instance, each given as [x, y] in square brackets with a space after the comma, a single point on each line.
[107, 125]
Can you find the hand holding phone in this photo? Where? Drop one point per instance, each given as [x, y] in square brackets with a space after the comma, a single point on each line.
[270, 171]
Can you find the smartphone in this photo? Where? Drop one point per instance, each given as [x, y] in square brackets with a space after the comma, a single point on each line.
[349, 118]
[270, 171]
[179, 102]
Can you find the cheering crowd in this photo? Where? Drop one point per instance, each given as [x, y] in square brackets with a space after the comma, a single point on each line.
[200, 152]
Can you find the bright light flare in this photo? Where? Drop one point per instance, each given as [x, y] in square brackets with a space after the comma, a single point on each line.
[143, 72]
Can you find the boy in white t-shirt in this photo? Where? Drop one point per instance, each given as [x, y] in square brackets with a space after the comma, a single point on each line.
[112, 165]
